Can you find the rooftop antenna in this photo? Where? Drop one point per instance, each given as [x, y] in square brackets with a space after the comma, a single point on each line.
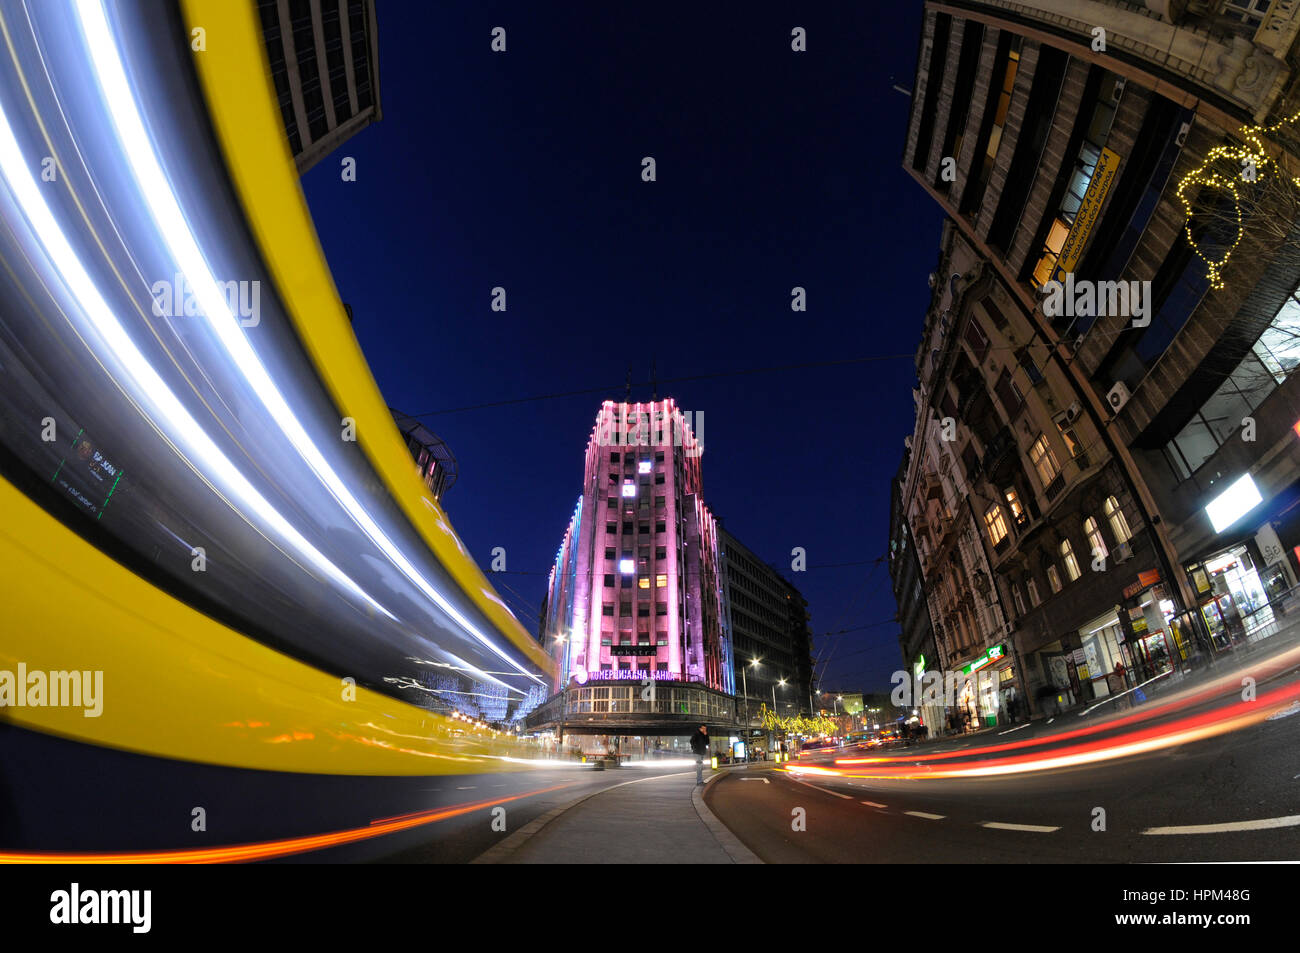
[627, 399]
[654, 381]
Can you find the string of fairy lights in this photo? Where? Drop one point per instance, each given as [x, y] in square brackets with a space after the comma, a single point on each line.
[1251, 163]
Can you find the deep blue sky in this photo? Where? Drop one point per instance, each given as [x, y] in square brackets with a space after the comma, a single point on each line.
[775, 169]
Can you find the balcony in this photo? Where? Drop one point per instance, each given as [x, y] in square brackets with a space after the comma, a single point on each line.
[1277, 33]
[932, 488]
[996, 452]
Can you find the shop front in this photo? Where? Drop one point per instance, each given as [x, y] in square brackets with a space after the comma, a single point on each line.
[1099, 651]
[983, 687]
[1244, 583]
[1159, 642]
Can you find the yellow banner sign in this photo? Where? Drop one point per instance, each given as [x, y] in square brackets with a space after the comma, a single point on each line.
[1093, 198]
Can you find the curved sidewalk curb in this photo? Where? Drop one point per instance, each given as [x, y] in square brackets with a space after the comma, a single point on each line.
[729, 842]
[503, 852]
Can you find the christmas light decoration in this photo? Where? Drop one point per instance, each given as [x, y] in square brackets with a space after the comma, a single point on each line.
[1247, 156]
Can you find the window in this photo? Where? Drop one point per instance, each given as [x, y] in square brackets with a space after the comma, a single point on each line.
[1067, 434]
[1020, 603]
[1093, 532]
[611, 527]
[607, 609]
[1009, 394]
[1013, 504]
[978, 341]
[1054, 579]
[1118, 524]
[1085, 165]
[609, 579]
[609, 552]
[997, 526]
[661, 552]
[659, 527]
[1044, 461]
[1071, 564]
[613, 457]
[1249, 12]
[661, 580]
[1274, 355]
[1032, 586]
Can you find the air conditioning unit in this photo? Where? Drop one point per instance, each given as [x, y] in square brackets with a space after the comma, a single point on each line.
[1180, 140]
[1123, 553]
[1117, 397]
[1073, 412]
[1119, 88]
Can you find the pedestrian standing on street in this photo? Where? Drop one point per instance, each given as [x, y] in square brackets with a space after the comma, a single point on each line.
[700, 745]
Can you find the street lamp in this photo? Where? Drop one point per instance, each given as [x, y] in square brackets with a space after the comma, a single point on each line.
[744, 681]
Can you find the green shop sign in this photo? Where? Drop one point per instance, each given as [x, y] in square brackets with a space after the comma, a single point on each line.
[995, 654]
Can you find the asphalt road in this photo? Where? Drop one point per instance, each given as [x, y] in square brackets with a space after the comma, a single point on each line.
[1250, 775]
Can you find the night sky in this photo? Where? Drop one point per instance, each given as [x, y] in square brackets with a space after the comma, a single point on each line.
[774, 169]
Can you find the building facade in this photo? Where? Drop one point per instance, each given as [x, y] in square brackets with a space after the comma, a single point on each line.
[771, 642]
[1109, 375]
[916, 634]
[324, 59]
[634, 613]
[434, 461]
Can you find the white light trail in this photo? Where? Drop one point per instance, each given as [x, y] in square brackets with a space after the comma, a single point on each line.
[178, 426]
[165, 209]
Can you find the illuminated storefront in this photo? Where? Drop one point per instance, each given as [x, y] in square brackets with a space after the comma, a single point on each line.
[986, 681]
[1158, 641]
[1100, 644]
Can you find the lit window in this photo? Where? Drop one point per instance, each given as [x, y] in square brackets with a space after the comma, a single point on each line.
[643, 582]
[625, 566]
[1071, 564]
[661, 580]
[1054, 578]
[629, 488]
[997, 526]
[1044, 461]
[1118, 524]
[1093, 532]
[643, 466]
[1013, 503]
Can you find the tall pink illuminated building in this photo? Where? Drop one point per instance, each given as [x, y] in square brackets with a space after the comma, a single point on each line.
[635, 592]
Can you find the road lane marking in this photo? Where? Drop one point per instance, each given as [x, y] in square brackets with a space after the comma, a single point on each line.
[1265, 824]
[764, 780]
[1034, 828]
[847, 797]
[1017, 728]
[928, 817]
[874, 804]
